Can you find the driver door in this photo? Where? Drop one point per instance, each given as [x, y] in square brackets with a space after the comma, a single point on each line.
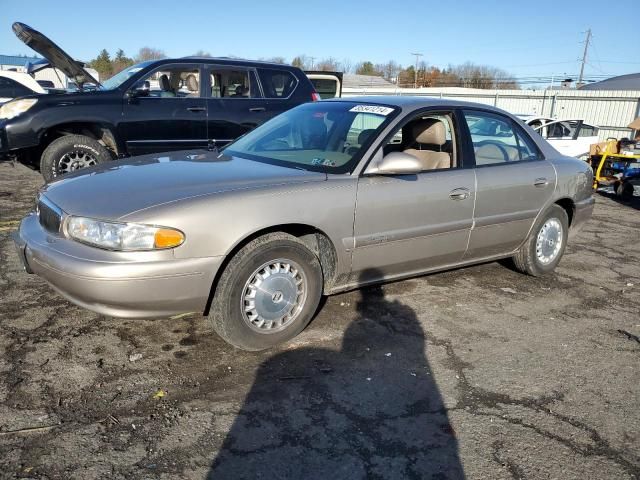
[166, 112]
[407, 224]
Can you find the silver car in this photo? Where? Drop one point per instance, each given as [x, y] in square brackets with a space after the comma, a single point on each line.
[324, 198]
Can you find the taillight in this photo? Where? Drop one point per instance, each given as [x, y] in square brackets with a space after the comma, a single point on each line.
[315, 96]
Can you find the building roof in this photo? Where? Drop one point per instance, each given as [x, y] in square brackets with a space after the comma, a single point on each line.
[351, 80]
[16, 60]
[622, 82]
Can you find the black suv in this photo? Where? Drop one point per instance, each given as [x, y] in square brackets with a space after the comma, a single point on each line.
[154, 106]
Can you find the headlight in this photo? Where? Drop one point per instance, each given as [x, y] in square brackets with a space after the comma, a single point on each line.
[16, 107]
[122, 236]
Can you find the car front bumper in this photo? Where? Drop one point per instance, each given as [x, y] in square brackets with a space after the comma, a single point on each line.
[155, 285]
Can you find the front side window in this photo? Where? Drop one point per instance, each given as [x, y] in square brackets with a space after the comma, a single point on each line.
[329, 137]
[430, 138]
[179, 81]
[496, 140]
[277, 83]
[233, 83]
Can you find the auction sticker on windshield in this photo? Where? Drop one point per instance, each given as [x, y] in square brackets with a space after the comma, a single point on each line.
[376, 109]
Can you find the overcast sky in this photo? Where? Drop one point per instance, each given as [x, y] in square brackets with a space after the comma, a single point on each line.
[525, 38]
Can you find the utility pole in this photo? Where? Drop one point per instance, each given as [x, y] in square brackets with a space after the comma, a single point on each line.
[584, 57]
[415, 72]
[312, 59]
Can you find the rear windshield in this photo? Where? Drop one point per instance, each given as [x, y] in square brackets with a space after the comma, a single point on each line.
[323, 136]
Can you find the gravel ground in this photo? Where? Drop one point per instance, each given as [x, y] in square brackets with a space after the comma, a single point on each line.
[479, 372]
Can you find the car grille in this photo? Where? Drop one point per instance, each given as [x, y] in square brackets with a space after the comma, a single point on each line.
[50, 216]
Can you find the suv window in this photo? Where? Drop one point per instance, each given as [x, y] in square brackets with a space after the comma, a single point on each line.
[277, 83]
[496, 140]
[9, 88]
[233, 83]
[172, 82]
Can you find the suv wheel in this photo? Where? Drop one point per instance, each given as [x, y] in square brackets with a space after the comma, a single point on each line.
[268, 293]
[69, 153]
[545, 245]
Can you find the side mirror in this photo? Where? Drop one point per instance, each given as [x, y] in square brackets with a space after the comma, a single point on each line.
[395, 163]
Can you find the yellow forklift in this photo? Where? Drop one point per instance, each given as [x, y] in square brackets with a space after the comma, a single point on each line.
[617, 170]
[616, 165]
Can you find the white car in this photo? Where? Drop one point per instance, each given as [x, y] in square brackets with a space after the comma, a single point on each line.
[571, 137]
[16, 84]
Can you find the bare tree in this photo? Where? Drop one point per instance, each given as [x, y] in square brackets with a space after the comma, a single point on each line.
[148, 53]
[346, 65]
[300, 61]
[202, 53]
[280, 60]
[327, 65]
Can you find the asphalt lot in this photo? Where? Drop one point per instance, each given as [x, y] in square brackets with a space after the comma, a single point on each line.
[479, 372]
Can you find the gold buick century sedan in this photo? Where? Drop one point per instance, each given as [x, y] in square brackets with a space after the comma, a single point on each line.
[311, 203]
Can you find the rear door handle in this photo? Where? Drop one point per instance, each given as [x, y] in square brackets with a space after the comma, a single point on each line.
[459, 193]
[196, 109]
[257, 109]
[541, 182]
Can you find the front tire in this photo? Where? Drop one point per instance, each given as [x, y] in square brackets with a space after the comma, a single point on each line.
[69, 153]
[545, 245]
[268, 293]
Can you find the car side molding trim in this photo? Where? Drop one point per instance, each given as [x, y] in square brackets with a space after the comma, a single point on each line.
[409, 233]
[505, 218]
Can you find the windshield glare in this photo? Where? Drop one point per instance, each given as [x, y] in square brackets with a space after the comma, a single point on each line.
[322, 136]
[119, 78]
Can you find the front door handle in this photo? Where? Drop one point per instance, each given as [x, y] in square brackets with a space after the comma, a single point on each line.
[196, 109]
[257, 109]
[541, 182]
[459, 194]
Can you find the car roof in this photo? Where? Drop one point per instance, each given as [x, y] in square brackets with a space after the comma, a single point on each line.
[23, 79]
[409, 103]
[226, 61]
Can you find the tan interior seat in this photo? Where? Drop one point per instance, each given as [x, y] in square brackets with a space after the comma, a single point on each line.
[491, 153]
[430, 132]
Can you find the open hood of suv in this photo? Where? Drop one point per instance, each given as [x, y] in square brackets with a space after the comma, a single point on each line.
[57, 57]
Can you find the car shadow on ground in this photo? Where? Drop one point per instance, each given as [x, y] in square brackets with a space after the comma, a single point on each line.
[371, 409]
[633, 202]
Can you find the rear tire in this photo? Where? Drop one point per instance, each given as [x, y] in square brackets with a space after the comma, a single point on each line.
[545, 245]
[624, 190]
[268, 293]
[70, 153]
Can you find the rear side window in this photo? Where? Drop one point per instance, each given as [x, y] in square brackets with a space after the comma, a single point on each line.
[497, 141]
[277, 83]
[233, 83]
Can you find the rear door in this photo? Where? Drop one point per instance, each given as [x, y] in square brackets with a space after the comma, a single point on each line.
[168, 111]
[235, 102]
[513, 183]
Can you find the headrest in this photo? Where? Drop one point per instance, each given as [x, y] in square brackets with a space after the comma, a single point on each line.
[364, 135]
[192, 83]
[165, 85]
[429, 131]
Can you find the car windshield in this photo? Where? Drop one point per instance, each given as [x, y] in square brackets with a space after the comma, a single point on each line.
[119, 78]
[323, 136]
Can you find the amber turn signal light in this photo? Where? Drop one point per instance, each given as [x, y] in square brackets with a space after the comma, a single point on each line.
[167, 238]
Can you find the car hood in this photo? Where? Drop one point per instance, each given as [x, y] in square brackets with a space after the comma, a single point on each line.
[116, 189]
[57, 57]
